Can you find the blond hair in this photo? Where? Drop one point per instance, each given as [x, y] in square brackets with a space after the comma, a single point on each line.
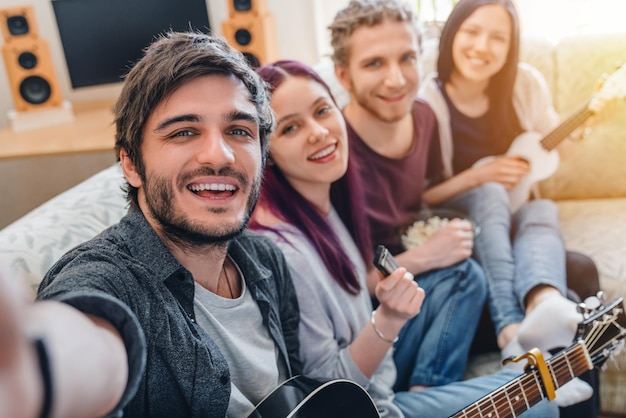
[359, 13]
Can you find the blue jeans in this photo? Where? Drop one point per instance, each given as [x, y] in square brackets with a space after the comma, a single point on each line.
[433, 347]
[517, 251]
[443, 401]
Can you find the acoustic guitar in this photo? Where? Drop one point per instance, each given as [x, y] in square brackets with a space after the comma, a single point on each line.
[541, 153]
[598, 337]
[303, 397]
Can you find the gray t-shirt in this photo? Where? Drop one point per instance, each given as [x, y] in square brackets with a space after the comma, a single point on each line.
[236, 326]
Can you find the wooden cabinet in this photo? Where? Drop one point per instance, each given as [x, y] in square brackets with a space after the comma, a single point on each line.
[37, 165]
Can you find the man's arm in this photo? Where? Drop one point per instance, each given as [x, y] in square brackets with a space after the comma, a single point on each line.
[85, 355]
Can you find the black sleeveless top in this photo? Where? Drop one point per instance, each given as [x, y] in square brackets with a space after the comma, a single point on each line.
[472, 138]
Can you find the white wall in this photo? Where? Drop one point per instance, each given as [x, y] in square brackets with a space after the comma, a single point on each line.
[301, 31]
[296, 23]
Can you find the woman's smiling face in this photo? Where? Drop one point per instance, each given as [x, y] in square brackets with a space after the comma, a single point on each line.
[309, 144]
[482, 43]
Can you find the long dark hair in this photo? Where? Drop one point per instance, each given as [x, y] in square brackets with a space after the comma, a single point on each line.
[505, 123]
[346, 196]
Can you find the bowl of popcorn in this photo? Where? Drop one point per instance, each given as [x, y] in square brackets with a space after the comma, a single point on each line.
[427, 222]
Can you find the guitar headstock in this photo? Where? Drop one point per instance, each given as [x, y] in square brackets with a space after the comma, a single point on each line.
[603, 331]
[611, 86]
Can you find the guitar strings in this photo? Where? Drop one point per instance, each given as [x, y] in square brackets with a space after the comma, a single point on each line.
[563, 367]
[509, 397]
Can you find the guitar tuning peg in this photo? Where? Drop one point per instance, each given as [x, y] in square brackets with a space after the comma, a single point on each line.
[589, 305]
[615, 363]
[618, 349]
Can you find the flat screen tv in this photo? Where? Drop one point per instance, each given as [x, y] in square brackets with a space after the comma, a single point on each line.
[103, 38]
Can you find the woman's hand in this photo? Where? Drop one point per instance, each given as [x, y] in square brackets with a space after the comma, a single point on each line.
[400, 296]
[400, 299]
[506, 170]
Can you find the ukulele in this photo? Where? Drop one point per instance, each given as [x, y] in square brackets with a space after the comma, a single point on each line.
[303, 397]
[598, 338]
[541, 153]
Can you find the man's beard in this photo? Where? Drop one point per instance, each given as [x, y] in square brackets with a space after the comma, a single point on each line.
[378, 111]
[181, 230]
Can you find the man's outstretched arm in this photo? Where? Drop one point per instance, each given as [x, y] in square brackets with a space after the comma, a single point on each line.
[83, 356]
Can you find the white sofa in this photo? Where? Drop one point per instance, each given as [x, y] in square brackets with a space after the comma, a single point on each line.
[589, 187]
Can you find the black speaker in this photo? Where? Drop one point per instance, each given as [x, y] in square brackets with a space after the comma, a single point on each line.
[253, 7]
[251, 30]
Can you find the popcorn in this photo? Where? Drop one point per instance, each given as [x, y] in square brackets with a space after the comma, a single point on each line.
[421, 230]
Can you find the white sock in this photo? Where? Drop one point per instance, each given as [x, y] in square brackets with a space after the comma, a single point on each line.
[513, 349]
[550, 325]
[573, 392]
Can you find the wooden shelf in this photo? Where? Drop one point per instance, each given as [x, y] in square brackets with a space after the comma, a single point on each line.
[91, 130]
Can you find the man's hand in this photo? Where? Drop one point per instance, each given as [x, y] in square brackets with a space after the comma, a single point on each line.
[451, 243]
[20, 385]
[87, 357]
[11, 299]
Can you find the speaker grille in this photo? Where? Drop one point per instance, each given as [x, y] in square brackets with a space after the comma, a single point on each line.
[18, 25]
[243, 37]
[243, 5]
[27, 60]
[252, 59]
[35, 89]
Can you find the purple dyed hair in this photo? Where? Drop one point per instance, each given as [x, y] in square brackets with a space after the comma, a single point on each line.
[346, 196]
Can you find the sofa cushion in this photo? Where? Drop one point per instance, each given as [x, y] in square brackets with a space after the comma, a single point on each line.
[596, 166]
[597, 228]
[31, 245]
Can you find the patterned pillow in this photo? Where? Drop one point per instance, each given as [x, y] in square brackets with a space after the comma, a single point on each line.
[31, 245]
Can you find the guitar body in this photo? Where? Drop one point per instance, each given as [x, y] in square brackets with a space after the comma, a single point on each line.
[543, 164]
[303, 397]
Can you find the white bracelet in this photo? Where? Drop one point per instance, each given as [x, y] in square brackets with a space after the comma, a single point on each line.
[380, 334]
